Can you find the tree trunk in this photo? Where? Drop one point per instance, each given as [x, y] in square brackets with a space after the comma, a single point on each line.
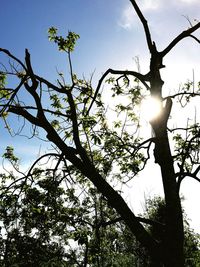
[172, 246]
[173, 243]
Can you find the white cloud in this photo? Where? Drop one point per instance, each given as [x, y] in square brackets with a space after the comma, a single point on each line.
[150, 4]
[129, 19]
[189, 1]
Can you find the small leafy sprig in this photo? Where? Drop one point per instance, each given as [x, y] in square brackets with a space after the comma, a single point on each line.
[64, 44]
[9, 155]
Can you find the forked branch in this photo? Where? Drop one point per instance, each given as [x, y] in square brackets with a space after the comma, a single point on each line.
[184, 34]
[142, 78]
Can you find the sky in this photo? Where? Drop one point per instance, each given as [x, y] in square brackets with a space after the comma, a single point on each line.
[110, 36]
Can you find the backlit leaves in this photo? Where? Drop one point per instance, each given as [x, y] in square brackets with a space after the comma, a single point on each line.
[9, 155]
[66, 44]
[2, 80]
[187, 147]
[4, 93]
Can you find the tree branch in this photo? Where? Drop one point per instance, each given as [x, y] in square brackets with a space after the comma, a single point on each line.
[73, 116]
[50, 85]
[7, 105]
[140, 219]
[183, 94]
[195, 38]
[7, 52]
[145, 25]
[142, 78]
[30, 70]
[183, 175]
[184, 34]
[25, 114]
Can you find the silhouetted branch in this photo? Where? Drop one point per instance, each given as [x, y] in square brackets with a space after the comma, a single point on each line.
[30, 70]
[140, 219]
[39, 159]
[195, 38]
[145, 25]
[7, 52]
[184, 34]
[182, 175]
[142, 78]
[183, 94]
[15, 91]
[73, 116]
[20, 111]
[50, 85]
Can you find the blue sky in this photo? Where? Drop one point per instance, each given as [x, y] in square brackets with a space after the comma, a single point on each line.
[111, 36]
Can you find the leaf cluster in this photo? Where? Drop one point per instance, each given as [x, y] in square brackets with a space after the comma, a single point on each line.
[66, 44]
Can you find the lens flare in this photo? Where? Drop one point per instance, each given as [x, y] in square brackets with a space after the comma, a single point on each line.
[150, 108]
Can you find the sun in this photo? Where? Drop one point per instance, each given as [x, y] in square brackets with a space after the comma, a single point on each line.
[150, 108]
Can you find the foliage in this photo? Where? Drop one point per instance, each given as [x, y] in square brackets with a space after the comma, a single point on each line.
[64, 44]
[156, 212]
[23, 250]
[9, 154]
[47, 224]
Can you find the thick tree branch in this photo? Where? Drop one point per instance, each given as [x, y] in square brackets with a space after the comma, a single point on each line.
[116, 201]
[30, 70]
[25, 114]
[145, 25]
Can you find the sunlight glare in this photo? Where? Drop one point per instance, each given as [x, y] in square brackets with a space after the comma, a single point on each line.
[150, 108]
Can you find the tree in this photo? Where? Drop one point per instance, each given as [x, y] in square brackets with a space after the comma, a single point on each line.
[27, 220]
[95, 151]
[45, 225]
[155, 212]
[41, 228]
